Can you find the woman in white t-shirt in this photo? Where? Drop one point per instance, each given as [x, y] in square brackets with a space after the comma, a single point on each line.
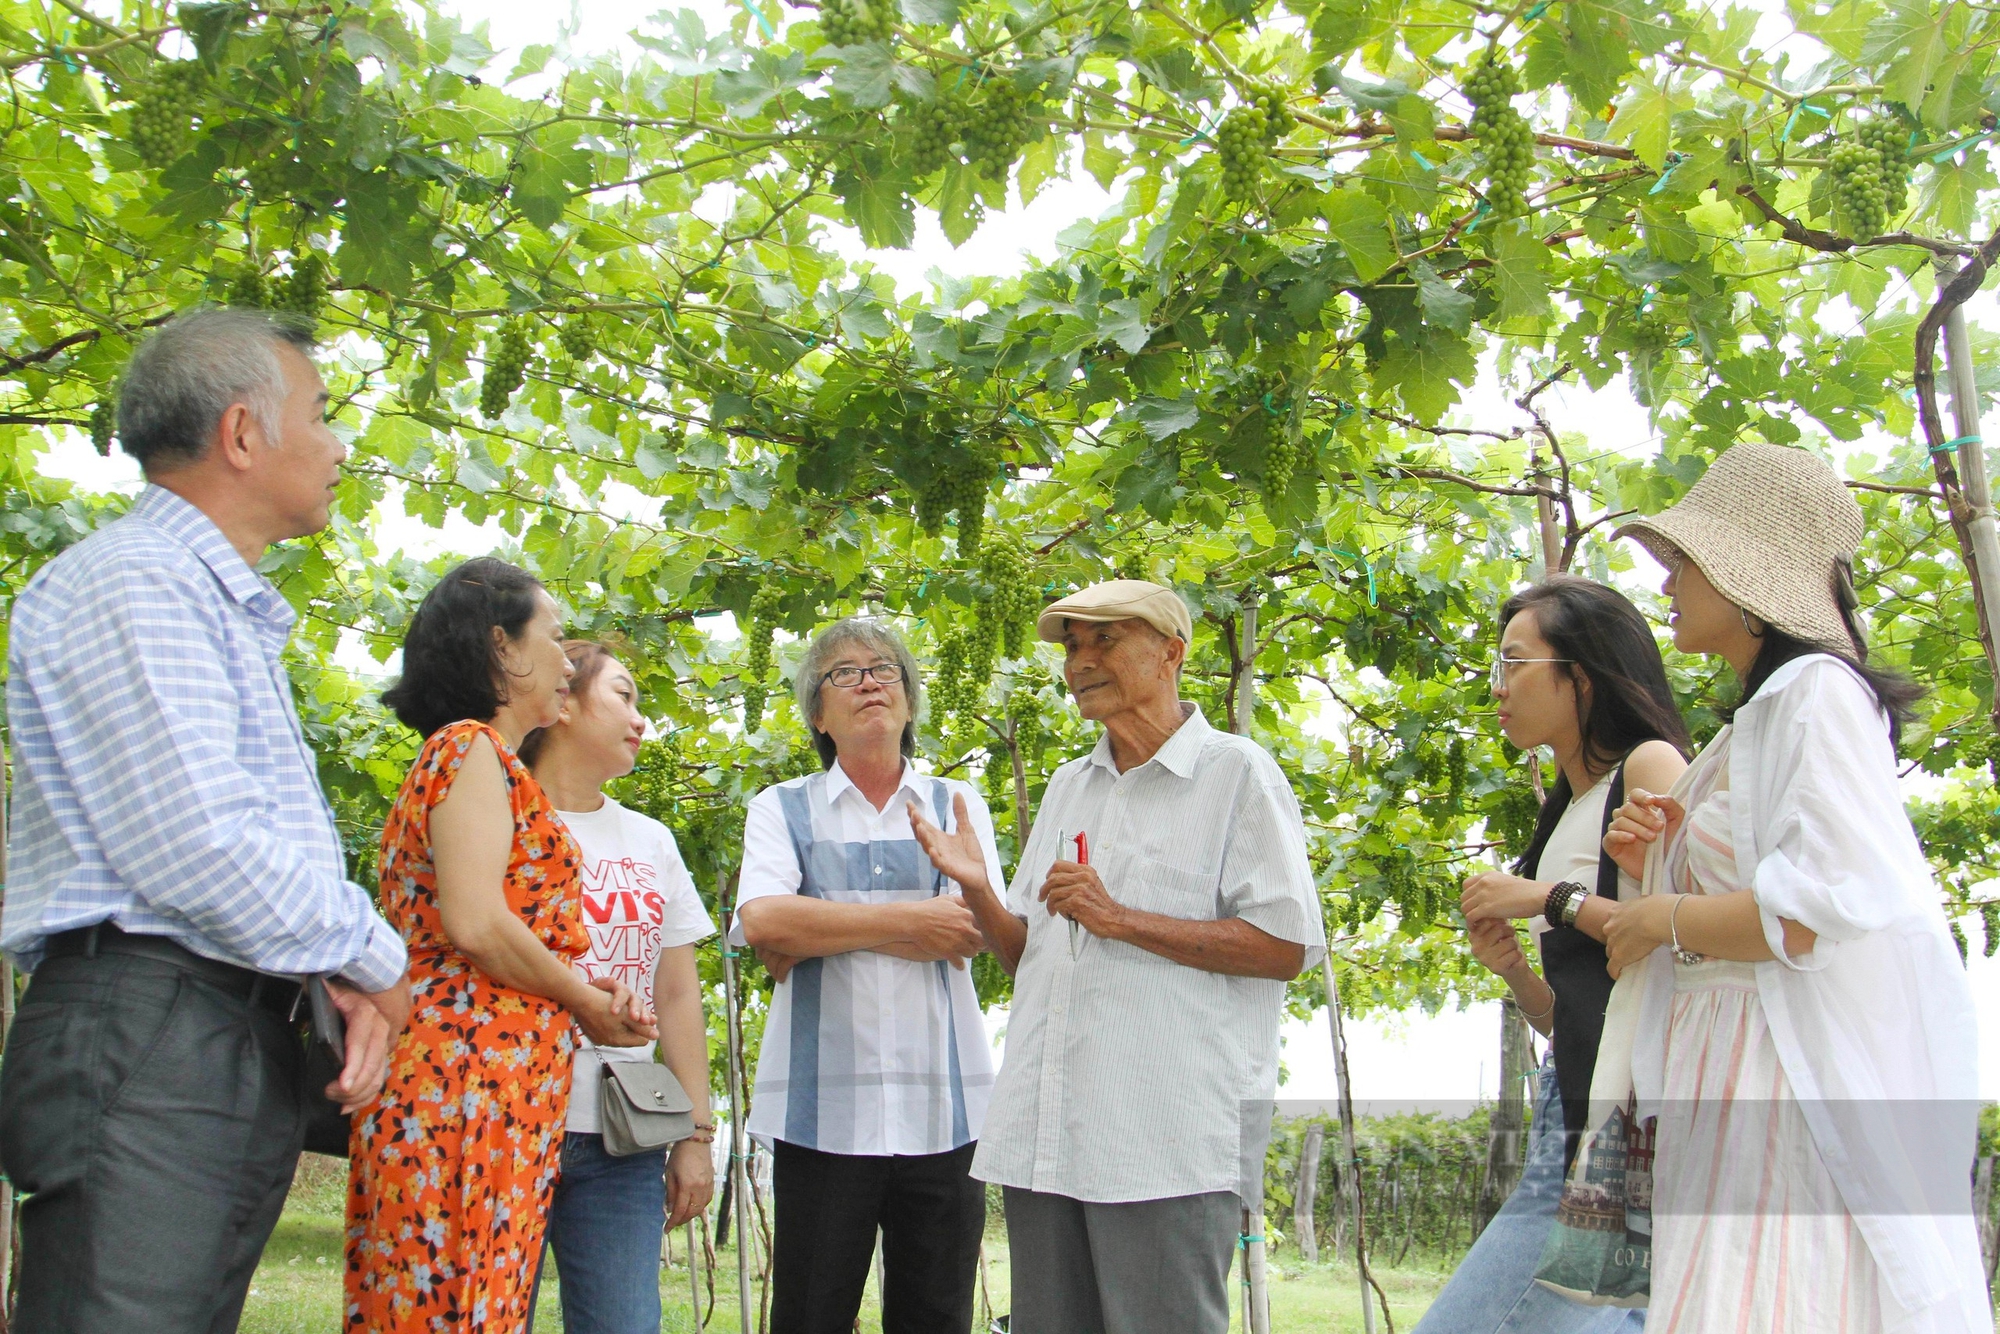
[643, 917]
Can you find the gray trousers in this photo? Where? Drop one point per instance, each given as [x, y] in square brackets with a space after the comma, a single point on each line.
[1137, 1268]
[155, 1119]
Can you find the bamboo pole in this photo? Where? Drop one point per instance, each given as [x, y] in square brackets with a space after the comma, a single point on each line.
[1973, 482]
[738, 1176]
[1256, 1292]
[1351, 1174]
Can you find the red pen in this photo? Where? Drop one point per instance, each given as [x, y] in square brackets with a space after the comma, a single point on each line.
[1082, 859]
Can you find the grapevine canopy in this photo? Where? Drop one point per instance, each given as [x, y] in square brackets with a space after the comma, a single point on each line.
[596, 308]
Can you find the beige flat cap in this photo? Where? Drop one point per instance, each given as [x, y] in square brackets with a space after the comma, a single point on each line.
[1767, 524]
[1119, 600]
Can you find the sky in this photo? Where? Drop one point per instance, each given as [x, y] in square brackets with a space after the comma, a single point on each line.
[1451, 1057]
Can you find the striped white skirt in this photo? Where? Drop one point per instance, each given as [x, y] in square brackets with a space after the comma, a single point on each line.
[1749, 1232]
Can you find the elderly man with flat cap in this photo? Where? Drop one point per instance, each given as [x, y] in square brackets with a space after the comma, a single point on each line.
[1150, 965]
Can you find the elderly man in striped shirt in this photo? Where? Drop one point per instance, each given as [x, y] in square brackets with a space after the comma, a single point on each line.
[1160, 906]
[175, 866]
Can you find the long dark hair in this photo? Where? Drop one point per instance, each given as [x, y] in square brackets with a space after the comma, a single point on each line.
[1610, 646]
[1896, 693]
[451, 666]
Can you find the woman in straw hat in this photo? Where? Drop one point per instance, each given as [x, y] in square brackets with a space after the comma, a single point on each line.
[1805, 1032]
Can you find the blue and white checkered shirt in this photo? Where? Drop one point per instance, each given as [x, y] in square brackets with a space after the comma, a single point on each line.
[161, 779]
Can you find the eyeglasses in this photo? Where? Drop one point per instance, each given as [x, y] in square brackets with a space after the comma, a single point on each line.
[1497, 678]
[888, 673]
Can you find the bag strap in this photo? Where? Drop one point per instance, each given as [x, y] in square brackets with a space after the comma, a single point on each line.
[1607, 869]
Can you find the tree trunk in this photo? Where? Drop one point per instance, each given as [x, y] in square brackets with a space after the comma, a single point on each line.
[1303, 1193]
[1506, 1139]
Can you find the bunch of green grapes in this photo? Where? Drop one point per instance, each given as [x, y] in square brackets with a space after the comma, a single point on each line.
[267, 176]
[304, 291]
[578, 339]
[959, 488]
[1016, 599]
[852, 22]
[1958, 939]
[103, 423]
[1651, 330]
[996, 128]
[934, 503]
[1242, 140]
[1283, 452]
[164, 111]
[999, 778]
[1455, 768]
[757, 660]
[934, 127]
[948, 677]
[247, 289]
[1871, 177]
[982, 646]
[506, 368]
[1504, 132]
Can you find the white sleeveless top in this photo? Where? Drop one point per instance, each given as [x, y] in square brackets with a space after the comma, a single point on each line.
[1573, 847]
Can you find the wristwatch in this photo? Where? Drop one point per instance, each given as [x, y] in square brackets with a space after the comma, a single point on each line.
[1558, 909]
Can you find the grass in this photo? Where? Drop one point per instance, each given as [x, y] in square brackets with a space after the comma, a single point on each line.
[298, 1285]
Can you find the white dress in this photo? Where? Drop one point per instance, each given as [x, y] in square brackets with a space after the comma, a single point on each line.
[1749, 1232]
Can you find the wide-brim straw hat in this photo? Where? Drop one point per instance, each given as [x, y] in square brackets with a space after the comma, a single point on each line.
[1119, 600]
[1768, 525]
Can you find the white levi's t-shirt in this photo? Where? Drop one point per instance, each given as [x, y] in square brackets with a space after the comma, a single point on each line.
[638, 900]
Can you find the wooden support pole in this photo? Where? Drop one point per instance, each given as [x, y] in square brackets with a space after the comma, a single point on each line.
[739, 1183]
[1303, 1195]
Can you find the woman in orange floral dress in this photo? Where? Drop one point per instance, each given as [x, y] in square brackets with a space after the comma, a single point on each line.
[453, 1168]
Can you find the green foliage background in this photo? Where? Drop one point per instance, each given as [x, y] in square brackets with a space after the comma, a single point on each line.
[1250, 393]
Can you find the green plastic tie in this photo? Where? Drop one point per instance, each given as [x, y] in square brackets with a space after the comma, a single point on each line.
[1537, 11]
[1952, 446]
[1674, 160]
[1421, 160]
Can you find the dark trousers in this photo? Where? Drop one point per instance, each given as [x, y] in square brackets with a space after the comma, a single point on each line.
[1133, 1268]
[151, 1104]
[931, 1213]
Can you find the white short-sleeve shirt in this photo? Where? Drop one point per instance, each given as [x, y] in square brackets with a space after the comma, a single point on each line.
[1128, 1076]
[865, 1053]
[638, 900]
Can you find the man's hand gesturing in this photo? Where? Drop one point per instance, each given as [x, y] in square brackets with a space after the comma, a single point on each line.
[957, 854]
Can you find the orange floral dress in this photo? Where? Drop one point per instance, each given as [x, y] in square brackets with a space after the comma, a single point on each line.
[452, 1170]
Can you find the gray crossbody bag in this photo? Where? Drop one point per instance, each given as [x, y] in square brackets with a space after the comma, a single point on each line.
[643, 1108]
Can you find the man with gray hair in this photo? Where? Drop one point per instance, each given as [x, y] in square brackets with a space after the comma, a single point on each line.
[176, 869]
[875, 1070]
[1161, 904]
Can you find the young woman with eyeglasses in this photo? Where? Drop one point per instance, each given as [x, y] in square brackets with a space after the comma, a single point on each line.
[1577, 671]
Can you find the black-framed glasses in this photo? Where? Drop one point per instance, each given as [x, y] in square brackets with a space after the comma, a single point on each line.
[1503, 664]
[888, 673]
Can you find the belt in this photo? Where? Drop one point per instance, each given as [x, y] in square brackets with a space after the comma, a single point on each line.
[278, 994]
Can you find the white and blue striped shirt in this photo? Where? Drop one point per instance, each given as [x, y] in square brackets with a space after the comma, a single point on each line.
[865, 1053]
[162, 782]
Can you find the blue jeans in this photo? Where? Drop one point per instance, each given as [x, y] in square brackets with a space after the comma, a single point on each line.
[1493, 1291]
[605, 1229]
